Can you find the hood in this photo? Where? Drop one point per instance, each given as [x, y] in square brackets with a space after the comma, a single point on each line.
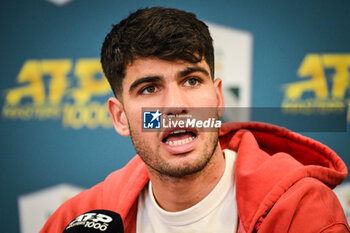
[270, 159]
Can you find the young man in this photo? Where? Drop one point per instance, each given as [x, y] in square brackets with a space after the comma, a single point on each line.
[249, 177]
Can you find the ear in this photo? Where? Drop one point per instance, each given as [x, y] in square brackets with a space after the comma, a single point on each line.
[120, 122]
[219, 96]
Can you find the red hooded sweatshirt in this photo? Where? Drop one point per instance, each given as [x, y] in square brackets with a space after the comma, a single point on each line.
[283, 184]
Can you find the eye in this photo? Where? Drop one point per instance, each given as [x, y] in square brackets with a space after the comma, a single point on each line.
[150, 89]
[192, 82]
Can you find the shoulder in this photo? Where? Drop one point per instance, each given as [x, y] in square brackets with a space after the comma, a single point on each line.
[308, 206]
[81, 203]
[117, 193]
[311, 193]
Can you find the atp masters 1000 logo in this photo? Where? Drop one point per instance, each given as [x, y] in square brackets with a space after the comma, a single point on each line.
[57, 89]
[328, 86]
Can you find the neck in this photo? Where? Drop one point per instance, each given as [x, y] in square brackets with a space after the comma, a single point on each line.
[176, 194]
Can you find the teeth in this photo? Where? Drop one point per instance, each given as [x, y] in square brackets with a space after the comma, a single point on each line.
[179, 142]
[179, 131]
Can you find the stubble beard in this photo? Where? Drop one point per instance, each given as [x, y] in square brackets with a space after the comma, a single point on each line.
[165, 168]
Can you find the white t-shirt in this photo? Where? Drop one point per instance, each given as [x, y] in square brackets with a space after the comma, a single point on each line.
[217, 212]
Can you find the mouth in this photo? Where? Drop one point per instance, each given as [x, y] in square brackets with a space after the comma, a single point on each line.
[179, 137]
[181, 140]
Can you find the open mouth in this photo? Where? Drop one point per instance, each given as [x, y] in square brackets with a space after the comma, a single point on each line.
[178, 137]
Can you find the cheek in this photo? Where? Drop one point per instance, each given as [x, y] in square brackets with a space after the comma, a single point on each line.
[134, 119]
[206, 98]
[135, 123]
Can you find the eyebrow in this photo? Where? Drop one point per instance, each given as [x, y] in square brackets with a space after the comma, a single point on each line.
[139, 81]
[152, 79]
[190, 70]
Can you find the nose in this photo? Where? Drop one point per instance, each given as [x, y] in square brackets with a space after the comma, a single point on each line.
[175, 101]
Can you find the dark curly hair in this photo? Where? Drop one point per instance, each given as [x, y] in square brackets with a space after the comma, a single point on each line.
[165, 33]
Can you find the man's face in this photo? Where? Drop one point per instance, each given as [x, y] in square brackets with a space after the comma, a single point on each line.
[178, 86]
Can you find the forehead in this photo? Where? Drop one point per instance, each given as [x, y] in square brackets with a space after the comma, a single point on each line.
[142, 67]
